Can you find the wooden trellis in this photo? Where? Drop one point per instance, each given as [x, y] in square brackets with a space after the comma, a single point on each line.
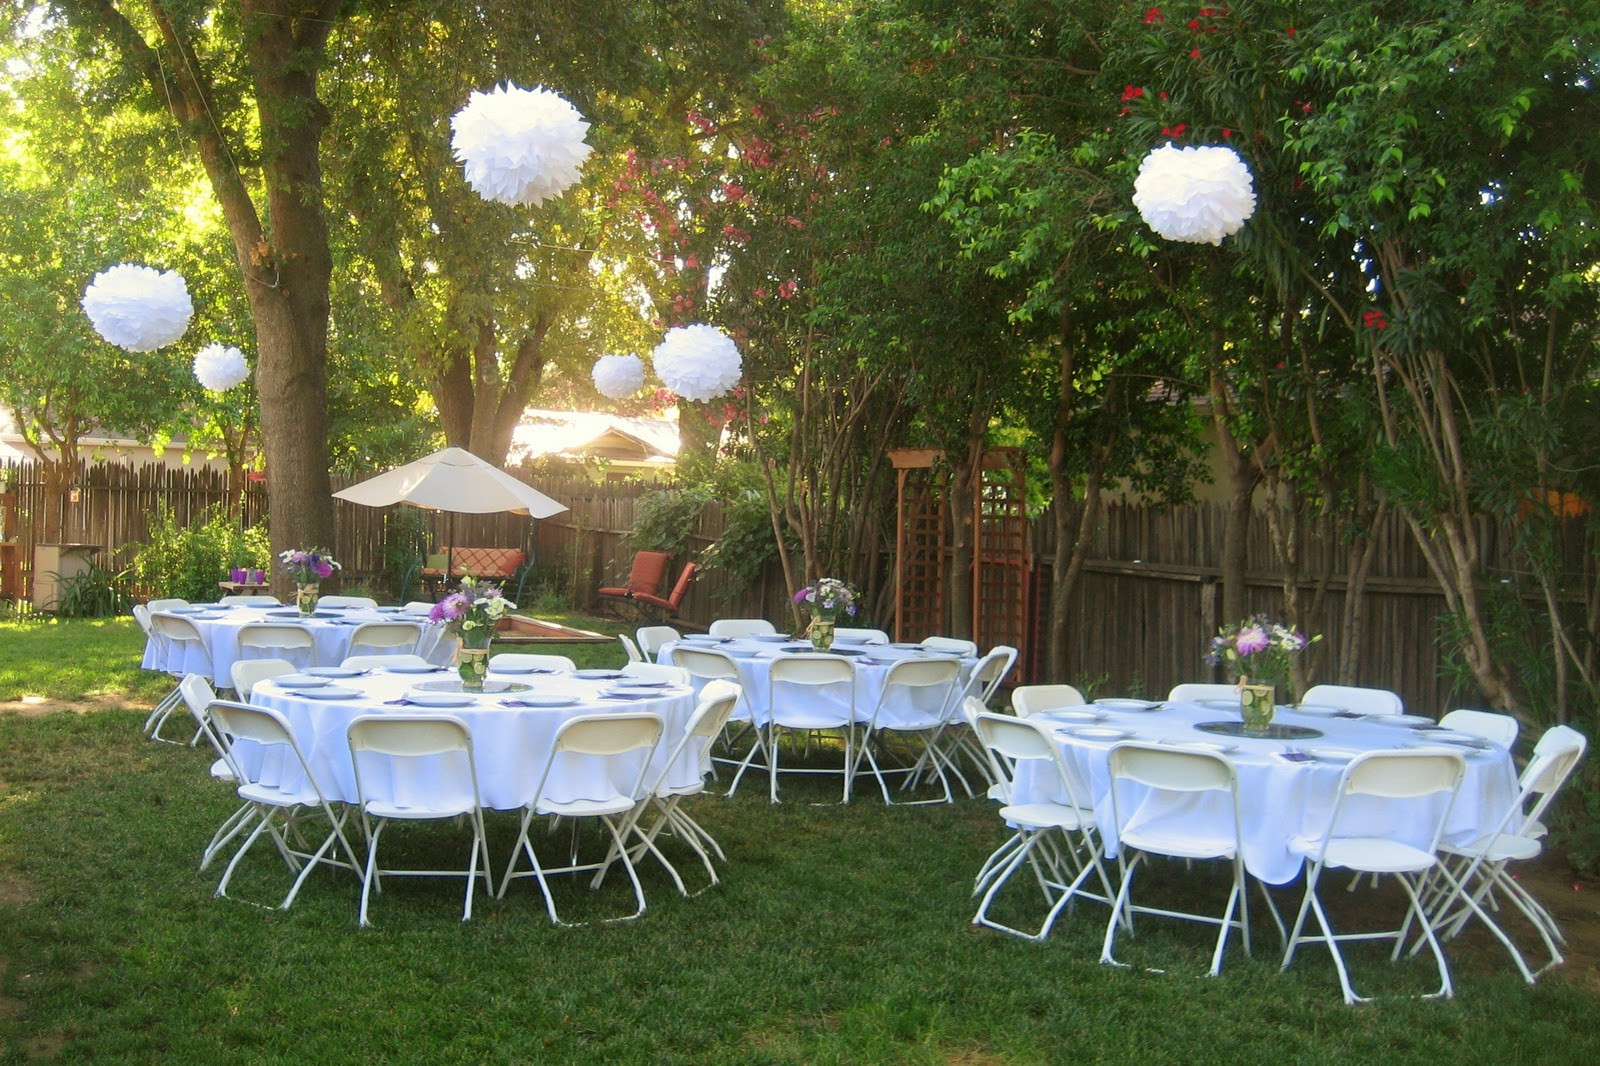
[1000, 556]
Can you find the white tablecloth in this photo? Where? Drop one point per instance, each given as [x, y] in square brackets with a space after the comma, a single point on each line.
[330, 636]
[754, 658]
[510, 744]
[1284, 804]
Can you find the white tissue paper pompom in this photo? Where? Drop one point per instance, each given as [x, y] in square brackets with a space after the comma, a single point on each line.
[219, 369]
[618, 376]
[1198, 195]
[698, 362]
[137, 308]
[519, 146]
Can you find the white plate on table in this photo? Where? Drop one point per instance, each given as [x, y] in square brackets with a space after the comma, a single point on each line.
[700, 638]
[772, 638]
[189, 608]
[1410, 721]
[1117, 703]
[293, 613]
[1331, 754]
[1318, 710]
[1200, 745]
[439, 699]
[299, 681]
[494, 668]
[530, 700]
[597, 675]
[333, 671]
[644, 683]
[331, 692]
[1070, 715]
[411, 668]
[1097, 732]
[907, 647]
[1451, 736]
[1219, 705]
[633, 690]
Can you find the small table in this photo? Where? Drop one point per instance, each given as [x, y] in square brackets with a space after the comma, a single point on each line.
[243, 588]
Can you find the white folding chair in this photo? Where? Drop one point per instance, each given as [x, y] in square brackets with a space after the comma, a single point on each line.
[1162, 823]
[809, 693]
[183, 641]
[517, 660]
[384, 662]
[265, 640]
[742, 627]
[656, 672]
[295, 805]
[1417, 790]
[1360, 700]
[853, 635]
[251, 600]
[1192, 691]
[1476, 873]
[1501, 729]
[245, 673]
[717, 701]
[198, 696]
[614, 751]
[347, 601]
[651, 639]
[705, 665]
[1031, 699]
[630, 649]
[962, 649]
[381, 638]
[1055, 837]
[439, 746]
[956, 740]
[917, 700]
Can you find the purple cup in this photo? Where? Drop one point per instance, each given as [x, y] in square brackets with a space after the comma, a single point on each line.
[239, 575]
[258, 577]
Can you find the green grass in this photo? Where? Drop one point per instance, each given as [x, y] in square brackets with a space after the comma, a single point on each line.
[839, 934]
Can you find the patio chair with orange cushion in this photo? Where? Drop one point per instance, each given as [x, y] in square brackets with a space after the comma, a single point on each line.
[645, 576]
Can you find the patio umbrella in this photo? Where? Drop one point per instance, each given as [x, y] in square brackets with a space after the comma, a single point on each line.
[454, 481]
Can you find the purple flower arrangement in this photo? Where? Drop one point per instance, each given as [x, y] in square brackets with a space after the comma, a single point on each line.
[1259, 649]
[308, 565]
[471, 608]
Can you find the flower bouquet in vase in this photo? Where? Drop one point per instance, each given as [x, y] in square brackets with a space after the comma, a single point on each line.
[471, 614]
[307, 567]
[1261, 654]
[827, 599]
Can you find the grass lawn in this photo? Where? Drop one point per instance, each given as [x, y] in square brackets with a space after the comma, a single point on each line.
[839, 934]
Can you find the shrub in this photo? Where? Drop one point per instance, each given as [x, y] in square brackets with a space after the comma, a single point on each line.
[93, 593]
[189, 560]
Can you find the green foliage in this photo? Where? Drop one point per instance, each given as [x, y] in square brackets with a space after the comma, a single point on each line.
[664, 521]
[93, 593]
[405, 539]
[746, 544]
[188, 560]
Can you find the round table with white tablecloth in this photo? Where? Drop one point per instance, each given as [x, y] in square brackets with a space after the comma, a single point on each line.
[330, 631]
[754, 657]
[1287, 787]
[511, 740]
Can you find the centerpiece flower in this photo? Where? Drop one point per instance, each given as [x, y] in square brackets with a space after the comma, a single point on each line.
[1261, 654]
[826, 598]
[471, 613]
[307, 566]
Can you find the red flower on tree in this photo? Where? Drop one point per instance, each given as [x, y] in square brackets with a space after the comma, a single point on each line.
[1154, 15]
[1374, 320]
[1131, 92]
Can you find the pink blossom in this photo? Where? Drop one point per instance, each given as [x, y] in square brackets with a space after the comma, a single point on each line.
[1252, 639]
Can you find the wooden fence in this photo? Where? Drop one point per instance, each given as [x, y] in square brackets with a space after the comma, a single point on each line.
[1144, 610]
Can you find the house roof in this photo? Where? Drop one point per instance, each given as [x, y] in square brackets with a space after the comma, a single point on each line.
[595, 435]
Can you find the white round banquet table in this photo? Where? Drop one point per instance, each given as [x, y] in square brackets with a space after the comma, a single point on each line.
[1286, 787]
[754, 657]
[510, 743]
[330, 629]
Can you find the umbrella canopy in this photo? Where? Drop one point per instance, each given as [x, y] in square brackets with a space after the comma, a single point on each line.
[453, 480]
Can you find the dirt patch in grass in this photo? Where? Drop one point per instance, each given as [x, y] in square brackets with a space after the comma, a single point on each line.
[38, 706]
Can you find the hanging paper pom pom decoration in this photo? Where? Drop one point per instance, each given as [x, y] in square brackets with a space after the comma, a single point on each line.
[1197, 195]
[519, 146]
[219, 369]
[137, 308]
[698, 362]
[618, 376]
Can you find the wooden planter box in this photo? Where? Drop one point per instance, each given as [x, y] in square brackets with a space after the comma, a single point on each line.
[520, 629]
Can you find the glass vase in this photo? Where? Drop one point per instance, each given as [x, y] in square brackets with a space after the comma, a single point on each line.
[472, 659]
[1258, 703]
[822, 633]
[305, 597]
